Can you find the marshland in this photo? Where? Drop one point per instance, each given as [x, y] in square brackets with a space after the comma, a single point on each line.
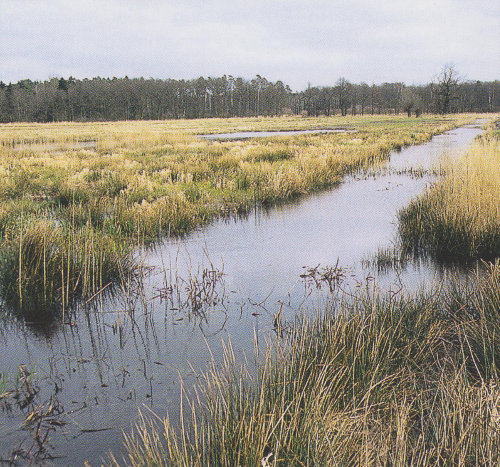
[324, 298]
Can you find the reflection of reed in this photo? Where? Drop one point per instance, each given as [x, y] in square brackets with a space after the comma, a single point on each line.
[56, 277]
[196, 294]
[105, 349]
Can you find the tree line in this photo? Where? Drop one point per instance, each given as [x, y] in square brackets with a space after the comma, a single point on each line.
[60, 99]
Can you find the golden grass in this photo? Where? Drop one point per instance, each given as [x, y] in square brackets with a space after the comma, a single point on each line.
[460, 216]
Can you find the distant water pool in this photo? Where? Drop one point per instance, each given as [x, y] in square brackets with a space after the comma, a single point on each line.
[263, 134]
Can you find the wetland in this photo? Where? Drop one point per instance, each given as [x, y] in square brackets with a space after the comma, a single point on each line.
[136, 258]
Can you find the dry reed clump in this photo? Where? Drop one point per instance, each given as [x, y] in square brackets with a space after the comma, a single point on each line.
[373, 381]
[460, 216]
[136, 181]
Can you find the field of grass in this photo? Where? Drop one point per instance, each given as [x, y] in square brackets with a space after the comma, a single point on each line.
[77, 197]
[459, 218]
[375, 380]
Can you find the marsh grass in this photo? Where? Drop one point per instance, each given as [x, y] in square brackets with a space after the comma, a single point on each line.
[375, 380]
[195, 294]
[459, 217]
[53, 266]
[71, 213]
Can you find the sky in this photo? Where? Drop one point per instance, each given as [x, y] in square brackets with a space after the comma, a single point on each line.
[300, 42]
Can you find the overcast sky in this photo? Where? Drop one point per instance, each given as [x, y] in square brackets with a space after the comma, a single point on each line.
[297, 41]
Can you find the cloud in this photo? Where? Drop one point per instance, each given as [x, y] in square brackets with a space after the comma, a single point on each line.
[297, 41]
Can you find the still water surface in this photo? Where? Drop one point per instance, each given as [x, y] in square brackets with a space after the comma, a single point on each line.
[92, 374]
[241, 135]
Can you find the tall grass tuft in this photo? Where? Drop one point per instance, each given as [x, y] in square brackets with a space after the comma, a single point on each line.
[460, 216]
[377, 380]
[47, 267]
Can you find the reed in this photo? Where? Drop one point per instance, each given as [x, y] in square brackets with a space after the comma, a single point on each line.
[46, 267]
[378, 380]
[459, 217]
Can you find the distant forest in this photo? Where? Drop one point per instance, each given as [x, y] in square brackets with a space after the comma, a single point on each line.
[72, 99]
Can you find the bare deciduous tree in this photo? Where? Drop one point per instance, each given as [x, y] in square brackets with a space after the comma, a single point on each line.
[448, 84]
[343, 88]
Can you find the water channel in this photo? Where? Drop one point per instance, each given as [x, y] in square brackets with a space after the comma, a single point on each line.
[87, 378]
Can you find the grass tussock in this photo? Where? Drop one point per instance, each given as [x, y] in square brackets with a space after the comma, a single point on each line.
[375, 381]
[47, 266]
[460, 216]
[109, 186]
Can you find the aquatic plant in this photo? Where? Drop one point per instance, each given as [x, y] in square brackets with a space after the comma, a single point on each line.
[195, 294]
[41, 418]
[46, 267]
[386, 259]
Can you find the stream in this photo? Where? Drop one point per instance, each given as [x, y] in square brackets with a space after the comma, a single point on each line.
[87, 379]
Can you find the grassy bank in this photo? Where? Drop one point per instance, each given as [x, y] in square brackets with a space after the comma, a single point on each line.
[381, 380]
[459, 218]
[76, 198]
